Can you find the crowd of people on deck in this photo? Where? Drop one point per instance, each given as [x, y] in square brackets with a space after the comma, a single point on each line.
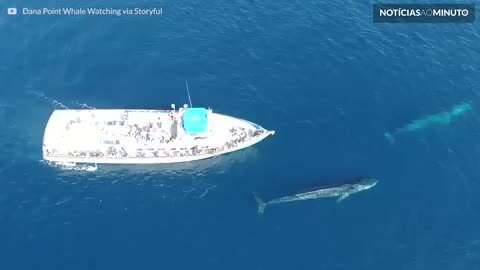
[149, 133]
[154, 133]
[72, 122]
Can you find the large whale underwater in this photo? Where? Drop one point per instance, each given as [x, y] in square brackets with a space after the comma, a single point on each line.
[342, 191]
[441, 118]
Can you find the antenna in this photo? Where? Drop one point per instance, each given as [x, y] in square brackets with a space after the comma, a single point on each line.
[188, 92]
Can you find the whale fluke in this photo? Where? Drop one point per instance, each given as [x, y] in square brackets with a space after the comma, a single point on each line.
[261, 204]
[389, 137]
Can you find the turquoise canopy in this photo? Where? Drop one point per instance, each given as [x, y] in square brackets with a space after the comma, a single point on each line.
[195, 120]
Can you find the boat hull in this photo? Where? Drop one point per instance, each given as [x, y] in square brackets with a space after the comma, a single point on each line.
[66, 141]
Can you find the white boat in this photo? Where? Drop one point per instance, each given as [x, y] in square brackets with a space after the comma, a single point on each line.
[120, 136]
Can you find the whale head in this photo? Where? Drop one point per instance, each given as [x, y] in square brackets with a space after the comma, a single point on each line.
[365, 183]
[460, 109]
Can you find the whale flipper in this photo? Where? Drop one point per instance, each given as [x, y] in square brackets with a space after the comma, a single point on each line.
[261, 204]
[343, 197]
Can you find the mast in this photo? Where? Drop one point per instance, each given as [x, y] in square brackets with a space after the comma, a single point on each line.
[188, 92]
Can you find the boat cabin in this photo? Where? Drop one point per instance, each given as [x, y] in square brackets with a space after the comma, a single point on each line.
[194, 120]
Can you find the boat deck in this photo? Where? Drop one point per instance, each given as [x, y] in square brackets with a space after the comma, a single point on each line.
[110, 136]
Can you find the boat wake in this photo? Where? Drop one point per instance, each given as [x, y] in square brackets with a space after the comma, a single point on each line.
[84, 105]
[71, 166]
[42, 95]
[59, 104]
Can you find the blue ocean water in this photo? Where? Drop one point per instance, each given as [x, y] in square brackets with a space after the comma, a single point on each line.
[320, 73]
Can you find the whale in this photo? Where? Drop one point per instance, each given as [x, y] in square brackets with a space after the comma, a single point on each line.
[441, 118]
[342, 191]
